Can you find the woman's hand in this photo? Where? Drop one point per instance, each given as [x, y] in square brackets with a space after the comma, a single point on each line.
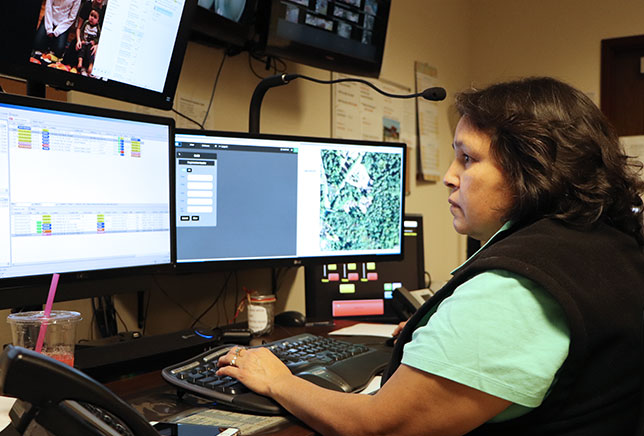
[257, 368]
[398, 329]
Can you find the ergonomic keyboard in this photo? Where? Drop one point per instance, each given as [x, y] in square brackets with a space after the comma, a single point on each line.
[326, 362]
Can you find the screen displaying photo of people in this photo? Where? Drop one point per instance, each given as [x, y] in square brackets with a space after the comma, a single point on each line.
[127, 41]
[68, 34]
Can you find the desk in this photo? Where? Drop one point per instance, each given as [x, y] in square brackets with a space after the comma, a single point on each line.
[157, 400]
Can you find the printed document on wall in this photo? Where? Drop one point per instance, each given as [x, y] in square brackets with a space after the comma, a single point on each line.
[426, 77]
[634, 147]
[359, 112]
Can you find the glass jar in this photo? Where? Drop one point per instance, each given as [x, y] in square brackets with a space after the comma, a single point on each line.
[261, 314]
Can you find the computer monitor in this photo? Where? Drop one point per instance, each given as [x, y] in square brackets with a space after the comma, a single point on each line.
[82, 189]
[271, 200]
[129, 50]
[364, 290]
[346, 36]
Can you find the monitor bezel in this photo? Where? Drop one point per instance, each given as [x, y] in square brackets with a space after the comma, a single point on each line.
[275, 45]
[66, 81]
[222, 265]
[15, 283]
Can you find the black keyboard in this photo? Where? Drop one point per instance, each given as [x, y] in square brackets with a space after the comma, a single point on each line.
[326, 362]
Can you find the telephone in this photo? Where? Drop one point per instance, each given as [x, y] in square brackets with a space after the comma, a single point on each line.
[62, 400]
[405, 303]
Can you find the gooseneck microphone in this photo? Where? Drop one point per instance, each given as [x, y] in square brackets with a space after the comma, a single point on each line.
[432, 94]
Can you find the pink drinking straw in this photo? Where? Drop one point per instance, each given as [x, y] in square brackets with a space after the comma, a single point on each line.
[50, 302]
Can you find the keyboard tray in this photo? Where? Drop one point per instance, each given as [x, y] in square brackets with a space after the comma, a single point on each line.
[326, 362]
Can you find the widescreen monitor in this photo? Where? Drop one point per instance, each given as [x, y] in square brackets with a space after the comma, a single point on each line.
[130, 50]
[346, 36]
[81, 189]
[364, 290]
[284, 200]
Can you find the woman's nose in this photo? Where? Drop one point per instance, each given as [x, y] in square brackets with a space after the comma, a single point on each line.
[450, 179]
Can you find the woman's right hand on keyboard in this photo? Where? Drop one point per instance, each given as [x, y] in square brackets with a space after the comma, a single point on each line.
[257, 368]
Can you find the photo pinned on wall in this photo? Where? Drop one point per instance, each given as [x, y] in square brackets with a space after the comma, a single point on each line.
[390, 130]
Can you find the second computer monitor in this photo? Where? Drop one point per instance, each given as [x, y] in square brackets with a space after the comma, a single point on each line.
[364, 290]
[286, 199]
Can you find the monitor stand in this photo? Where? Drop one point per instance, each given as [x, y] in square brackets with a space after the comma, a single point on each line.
[36, 89]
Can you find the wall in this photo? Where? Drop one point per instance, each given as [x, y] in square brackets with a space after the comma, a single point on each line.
[469, 41]
[560, 38]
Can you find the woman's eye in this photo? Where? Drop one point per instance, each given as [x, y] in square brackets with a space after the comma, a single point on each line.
[466, 158]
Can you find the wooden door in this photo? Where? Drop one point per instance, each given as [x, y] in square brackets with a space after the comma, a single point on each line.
[622, 83]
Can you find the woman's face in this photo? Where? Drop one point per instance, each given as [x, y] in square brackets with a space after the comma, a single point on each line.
[479, 192]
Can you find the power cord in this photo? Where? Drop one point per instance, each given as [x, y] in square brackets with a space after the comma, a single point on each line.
[214, 88]
[164, 292]
[212, 95]
[105, 316]
[221, 292]
[188, 118]
[270, 62]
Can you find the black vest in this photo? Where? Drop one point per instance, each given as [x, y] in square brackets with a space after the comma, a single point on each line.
[597, 276]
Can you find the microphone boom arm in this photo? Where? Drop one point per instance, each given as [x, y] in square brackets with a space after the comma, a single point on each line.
[433, 94]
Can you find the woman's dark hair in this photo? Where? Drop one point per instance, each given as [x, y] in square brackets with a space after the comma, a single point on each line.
[561, 154]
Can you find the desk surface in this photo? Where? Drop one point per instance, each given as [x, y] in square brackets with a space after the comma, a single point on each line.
[157, 400]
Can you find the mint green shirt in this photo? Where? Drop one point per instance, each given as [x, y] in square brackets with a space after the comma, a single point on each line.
[499, 333]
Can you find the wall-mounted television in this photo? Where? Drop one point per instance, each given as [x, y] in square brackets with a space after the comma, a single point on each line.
[129, 50]
[346, 36]
[224, 23]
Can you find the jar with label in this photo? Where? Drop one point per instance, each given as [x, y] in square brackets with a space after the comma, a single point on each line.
[261, 314]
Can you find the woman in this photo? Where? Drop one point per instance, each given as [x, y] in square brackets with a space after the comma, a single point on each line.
[538, 332]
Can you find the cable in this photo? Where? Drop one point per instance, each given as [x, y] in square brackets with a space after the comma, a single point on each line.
[118, 315]
[188, 118]
[221, 291]
[214, 87]
[269, 62]
[236, 295]
[145, 311]
[173, 301]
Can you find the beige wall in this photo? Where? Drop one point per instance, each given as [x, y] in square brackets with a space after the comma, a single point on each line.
[560, 38]
[469, 41]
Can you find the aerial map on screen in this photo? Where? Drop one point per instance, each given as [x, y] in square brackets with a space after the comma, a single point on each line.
[360, 205]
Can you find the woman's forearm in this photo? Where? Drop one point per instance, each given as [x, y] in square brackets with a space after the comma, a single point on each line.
[328, 412]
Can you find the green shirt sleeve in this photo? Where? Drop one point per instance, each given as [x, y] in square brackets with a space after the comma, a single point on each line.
[499, 333]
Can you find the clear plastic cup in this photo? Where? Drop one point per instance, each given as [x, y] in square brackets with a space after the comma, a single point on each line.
[60, 334]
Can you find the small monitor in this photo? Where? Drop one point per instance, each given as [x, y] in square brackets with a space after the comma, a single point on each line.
[224, 23]
[129, 50]
[283, 200]
[346, 36]
[363, 290]
[81, 189]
